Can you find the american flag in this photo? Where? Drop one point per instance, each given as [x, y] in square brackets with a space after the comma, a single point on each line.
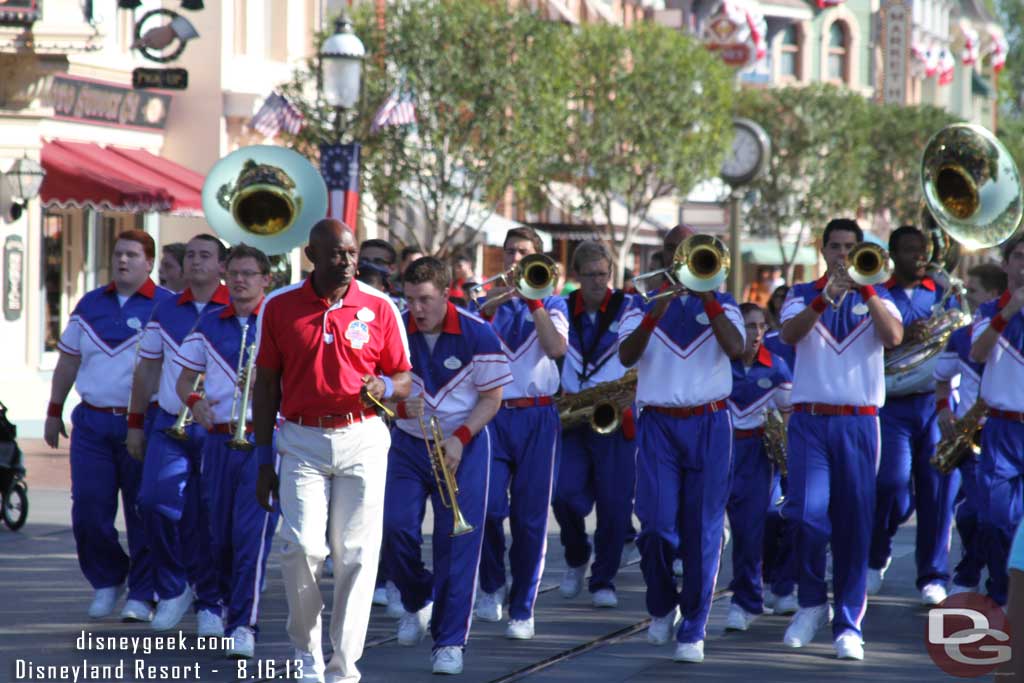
[398, 110]
[277, 114]
[339, 165]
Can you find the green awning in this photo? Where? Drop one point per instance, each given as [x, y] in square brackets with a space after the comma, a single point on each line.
[979, 86]
[765, 252]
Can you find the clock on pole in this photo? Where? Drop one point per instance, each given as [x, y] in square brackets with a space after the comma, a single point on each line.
[746, 160]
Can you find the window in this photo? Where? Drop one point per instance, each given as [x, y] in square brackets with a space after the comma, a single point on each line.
[53, 278]
[838, 43]
[241, 27]
[789, 57]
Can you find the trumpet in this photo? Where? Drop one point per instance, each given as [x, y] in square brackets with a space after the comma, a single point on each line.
[447, 487]
[240, 401]
[699, 264]
[534, 277]
[866, 264]
[965, 442]
[177, 430]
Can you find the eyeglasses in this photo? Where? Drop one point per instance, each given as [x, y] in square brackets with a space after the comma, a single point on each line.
[247, 274]
[594, 276]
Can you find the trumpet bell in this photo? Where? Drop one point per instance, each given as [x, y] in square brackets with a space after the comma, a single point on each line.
[536, 276]
[265, 196]
[869, 264]
[700, 263]
[971, 186]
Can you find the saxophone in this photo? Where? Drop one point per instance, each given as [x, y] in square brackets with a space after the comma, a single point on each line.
[965, 442]
[775, 439]
[600, 406]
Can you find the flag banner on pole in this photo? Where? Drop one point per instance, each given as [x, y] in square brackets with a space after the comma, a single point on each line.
[398, 110]
[277, 114]
[339, 165]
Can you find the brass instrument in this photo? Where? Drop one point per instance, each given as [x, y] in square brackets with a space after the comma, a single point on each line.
[534, 277]
[177, 430]
[600, 406]
[775, 439]
[264, 196]
[950, 453]
[699, 264]
[971, 186]
[447, 487]
[866, 264]
[243, 386]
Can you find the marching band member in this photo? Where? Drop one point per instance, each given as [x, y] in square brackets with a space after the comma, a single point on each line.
[998, 342]
[458, 371]
[328, 348]
[839, 331]
[526, 436]
[595, 468]
[682, 462]
[175, 518]
[910, 433]
[985, 282]
[240, 531]
[97, 355]
[760, 381]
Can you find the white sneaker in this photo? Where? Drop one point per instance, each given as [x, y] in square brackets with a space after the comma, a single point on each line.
[380, 596]
[689, 652]
[312, 666]
[520, 629]
[739, 619]
[957, 589]
[447, 660]
[604, 598]
[136, 611]
[488, 605]
[169, 612]
[677, 568]
[875, 578]
[243, 644]
[769, 600]
[933, 593]
[572, 582]
[805, 624]
[395, 608]
[413, 626]
[630, 555]
[660, 630]
[785, 605]
[103, 601]
[849, 646]
[328, 568]
[210, 624]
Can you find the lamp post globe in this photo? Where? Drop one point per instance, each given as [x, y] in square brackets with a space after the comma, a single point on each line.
[25, 178]
[341, 60]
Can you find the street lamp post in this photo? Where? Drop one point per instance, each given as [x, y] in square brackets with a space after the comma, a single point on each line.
[25, 179]
[341, 66]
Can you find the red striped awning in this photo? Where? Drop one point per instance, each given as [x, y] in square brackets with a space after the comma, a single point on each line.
[84, 174]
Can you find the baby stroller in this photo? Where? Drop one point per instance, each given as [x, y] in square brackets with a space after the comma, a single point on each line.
[13, 488]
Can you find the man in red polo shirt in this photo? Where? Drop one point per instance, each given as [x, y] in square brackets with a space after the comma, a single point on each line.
[326, 346]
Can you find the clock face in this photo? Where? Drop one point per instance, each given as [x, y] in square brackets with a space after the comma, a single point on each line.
[744, 157]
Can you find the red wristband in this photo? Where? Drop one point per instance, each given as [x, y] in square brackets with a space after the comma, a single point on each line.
[534, 304]
[136, 420]
[401, 412]
[941, 404]
[649, 323]
[193, 399]
[818, 304]
[713, 308]
[867, 291]
[463, 435]
[54, 410]
[999, 323]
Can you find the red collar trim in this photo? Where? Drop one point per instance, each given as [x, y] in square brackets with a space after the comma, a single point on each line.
[450, 324]
[229, 310]
[221, 295]
[148, 288]
[821, 282]
[580, 308]
[925, 282]
[1003, 300]
[353, 297]
[764, 356]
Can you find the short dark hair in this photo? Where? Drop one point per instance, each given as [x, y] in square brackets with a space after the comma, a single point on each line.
[847, 224]
[589, 251]
[1011, 244]
[463, 256]
[409, 251]
[784, 290]
[992, 277]
[903, 231]
[525, 232]
[380, 244]
[750, 307]
[243, 250]
[428, 269]
[222, 251]
[143, 238]
[176, 250]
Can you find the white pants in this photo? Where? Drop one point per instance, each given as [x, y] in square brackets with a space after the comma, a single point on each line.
[332, 487]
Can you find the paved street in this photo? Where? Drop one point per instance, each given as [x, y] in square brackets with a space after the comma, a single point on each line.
[45, 599]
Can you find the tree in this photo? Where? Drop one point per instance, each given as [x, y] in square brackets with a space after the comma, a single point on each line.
[650, 114]
[487, 115]
[817, 167]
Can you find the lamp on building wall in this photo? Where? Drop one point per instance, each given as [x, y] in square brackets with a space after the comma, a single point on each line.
[24, 180]
[341, 65]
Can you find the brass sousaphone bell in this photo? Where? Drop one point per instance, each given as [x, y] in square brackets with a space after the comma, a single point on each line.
[268, 197]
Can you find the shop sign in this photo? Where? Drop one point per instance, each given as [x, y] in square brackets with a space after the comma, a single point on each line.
[19, 12]
[167, 79]
[110, 104]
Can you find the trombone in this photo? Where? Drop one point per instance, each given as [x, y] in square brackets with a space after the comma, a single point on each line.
[240, 400]
[699, 264]
[447, 487]
[866, 264]
[534, 277]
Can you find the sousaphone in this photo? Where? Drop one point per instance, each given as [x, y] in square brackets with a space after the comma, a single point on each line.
[268, 197]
